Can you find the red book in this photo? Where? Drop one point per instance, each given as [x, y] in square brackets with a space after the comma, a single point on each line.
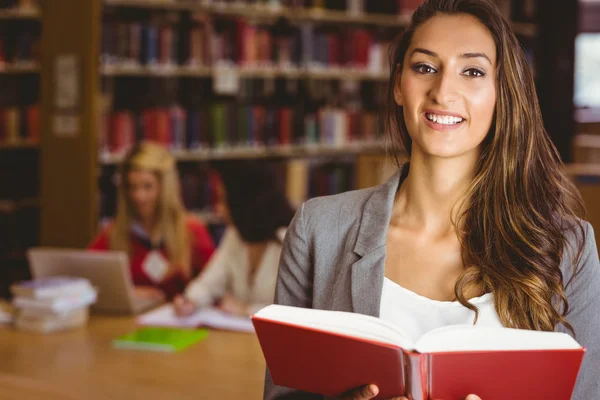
[331, 352]
[285, 126]
[33, 123]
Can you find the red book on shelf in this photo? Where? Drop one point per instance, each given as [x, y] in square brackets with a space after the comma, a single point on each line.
[162, 132]
[331, 352]
[285, 126]
[333, 42]
[122, 131]
[33, 123]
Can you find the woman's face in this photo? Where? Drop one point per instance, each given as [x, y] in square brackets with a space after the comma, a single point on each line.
[447, 86]
[143, 191]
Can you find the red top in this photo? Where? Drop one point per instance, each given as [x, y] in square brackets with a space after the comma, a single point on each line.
[202, 249]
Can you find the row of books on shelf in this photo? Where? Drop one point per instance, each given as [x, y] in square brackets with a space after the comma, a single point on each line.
[203, 42]
[19, 4]
[19, 47]
[519, 10]
[352, 7]
[228, 124]
[301, 178]
[20, 125]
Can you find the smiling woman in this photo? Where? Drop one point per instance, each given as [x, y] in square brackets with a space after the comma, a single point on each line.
[482, 219]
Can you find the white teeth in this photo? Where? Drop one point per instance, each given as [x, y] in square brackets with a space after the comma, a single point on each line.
[443, 119]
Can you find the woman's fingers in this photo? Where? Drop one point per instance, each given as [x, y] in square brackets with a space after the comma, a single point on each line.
[362, 393]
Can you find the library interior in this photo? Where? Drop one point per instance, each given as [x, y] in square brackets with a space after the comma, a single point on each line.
[153, 153]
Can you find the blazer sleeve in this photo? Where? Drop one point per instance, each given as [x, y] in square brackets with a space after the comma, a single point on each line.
[294, 288]
[583, 295]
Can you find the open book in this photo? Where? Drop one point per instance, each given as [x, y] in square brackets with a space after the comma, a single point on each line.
[207, 317]
[331, 352]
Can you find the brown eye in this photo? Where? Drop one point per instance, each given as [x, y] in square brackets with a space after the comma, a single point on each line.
[474, 72]
[424, 69]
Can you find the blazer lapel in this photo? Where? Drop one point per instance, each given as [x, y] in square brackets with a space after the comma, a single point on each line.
[368, 271]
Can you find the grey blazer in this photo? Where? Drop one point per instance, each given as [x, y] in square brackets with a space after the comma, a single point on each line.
[333, 259]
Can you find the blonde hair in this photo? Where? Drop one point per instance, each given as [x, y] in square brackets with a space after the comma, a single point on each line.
[171, 216]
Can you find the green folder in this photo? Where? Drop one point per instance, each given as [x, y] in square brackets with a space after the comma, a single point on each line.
[160, 339]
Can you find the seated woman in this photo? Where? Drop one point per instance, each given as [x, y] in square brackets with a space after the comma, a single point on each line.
[242, 274]
[166, 246]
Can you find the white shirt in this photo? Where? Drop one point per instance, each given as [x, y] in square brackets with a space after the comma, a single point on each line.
[417, 315]
[227, 272]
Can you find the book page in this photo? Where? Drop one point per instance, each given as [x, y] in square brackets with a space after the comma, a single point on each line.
[338, 322]
[209, 317]
[473, 338]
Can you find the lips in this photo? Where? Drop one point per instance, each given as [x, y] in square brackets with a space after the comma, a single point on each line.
[443, 120]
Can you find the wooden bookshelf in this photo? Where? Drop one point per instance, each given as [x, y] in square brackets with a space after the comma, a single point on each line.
[20, 145]
[80, 156]
[246, 72]
[20, 13]
[11, 205]
[19, 69]
[263, 153]
[266, 13]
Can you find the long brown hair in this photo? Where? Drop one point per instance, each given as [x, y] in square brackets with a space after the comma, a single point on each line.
[520, 208]
[171, 227]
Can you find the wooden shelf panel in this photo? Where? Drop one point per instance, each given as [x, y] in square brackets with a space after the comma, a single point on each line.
[20, 13]
[245, 72]
[19, 69]
[268, 13]
[264, 152]
[271, 13]
[7, 205]
[22, 145]
[583, 169]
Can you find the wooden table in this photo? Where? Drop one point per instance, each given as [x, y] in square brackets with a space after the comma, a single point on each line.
[82, 364]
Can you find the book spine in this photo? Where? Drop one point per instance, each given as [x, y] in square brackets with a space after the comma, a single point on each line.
[416, 375]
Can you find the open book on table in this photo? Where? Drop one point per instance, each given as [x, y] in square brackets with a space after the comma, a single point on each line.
[331, 352]
[207, 317]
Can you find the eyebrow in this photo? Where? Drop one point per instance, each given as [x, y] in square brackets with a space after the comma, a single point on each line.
[465, 55]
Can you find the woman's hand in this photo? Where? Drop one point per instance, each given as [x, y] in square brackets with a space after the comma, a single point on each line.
[366, 392]
[183, 306]
[233, 306]
[370, 391]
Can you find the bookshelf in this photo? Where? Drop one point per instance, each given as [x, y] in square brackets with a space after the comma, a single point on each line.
[20, 24]
[124, 84]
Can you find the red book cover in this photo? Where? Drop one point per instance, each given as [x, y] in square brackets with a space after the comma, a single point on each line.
[166, 39]
[33, 123]
[241, 40]
[163, 127]
[333, 42]
[321, 361]
[148, 124]
[285, 126]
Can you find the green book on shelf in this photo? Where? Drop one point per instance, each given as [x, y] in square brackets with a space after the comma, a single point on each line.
[160, 339]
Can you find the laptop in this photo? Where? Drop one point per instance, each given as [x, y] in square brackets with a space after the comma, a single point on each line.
[107, 271]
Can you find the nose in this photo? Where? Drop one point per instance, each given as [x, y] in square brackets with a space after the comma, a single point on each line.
[444, 90]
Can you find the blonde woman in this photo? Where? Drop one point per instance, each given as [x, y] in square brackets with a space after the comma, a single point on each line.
[167, 247]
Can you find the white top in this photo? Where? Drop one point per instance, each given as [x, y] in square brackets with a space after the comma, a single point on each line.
[227, 272]
[417, 315]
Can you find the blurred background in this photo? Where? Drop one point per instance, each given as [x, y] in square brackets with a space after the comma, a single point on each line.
[294, 83]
